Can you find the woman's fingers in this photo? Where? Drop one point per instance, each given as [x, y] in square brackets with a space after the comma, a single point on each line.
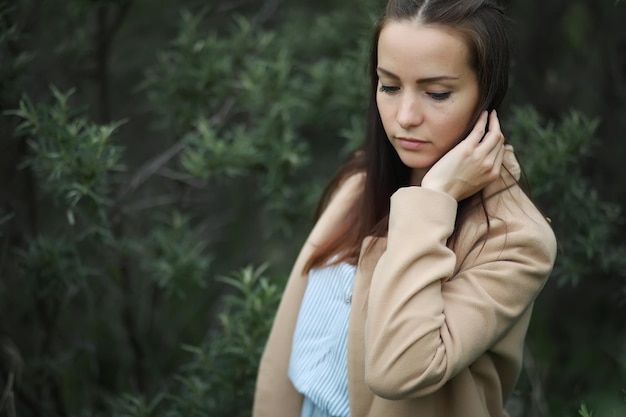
[494, 136]
[497, 165]
[494, 144]
[478, 132]
[494, 122]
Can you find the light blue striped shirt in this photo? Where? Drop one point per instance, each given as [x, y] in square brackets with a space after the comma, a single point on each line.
[318, 363]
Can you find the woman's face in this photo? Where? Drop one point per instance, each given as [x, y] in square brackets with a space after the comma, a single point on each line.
[427, 92]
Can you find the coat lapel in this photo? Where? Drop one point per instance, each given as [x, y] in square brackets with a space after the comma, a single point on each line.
[371, 251]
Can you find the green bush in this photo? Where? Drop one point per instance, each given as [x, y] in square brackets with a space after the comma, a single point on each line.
[218, 379]
[587, 288]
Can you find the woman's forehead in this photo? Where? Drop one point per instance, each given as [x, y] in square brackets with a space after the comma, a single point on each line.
[411, 48]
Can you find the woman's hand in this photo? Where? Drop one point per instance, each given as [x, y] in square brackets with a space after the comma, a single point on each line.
[472, 164]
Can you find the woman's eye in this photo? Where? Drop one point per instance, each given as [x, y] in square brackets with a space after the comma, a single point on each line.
[439, 96]
[388, 89]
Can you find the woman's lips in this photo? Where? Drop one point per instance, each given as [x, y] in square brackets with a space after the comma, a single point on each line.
[411, 144]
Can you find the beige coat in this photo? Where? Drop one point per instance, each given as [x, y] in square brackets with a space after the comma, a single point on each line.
[433, 332]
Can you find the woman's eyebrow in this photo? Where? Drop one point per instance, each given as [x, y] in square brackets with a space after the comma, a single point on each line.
[425, 80]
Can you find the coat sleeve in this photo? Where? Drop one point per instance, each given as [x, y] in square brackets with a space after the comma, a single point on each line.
[275, 396]
[425, 323]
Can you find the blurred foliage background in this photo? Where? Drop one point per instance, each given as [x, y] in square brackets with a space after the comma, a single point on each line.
[159, 165]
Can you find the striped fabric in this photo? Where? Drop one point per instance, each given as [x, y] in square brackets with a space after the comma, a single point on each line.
[318, 363]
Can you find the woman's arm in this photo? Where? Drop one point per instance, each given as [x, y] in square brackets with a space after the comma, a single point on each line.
[424, 325]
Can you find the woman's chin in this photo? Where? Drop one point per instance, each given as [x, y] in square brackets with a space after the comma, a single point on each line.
[416, 162]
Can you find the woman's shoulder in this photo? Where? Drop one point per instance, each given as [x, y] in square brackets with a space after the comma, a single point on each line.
[349, 179]
[351, 184]
[508, 228]
[504, 208]
[504, 198]
[343, 189]
[514, 207]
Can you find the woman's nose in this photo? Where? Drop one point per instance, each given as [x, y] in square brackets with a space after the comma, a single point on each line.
[409, 111]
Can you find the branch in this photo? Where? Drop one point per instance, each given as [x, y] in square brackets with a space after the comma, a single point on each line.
[119, 18]
[221, 114]
[6, 401]
[34, 404]
[538, 402]
[231, 5]
[129, 323]
[268, 9]
[150, 168]
[187, 179]
[151, 203]
[105, 33]
[12, 359]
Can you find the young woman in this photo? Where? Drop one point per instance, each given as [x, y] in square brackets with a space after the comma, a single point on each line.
[412, 294]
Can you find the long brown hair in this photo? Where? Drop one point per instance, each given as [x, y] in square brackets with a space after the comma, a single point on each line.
[483, 26]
